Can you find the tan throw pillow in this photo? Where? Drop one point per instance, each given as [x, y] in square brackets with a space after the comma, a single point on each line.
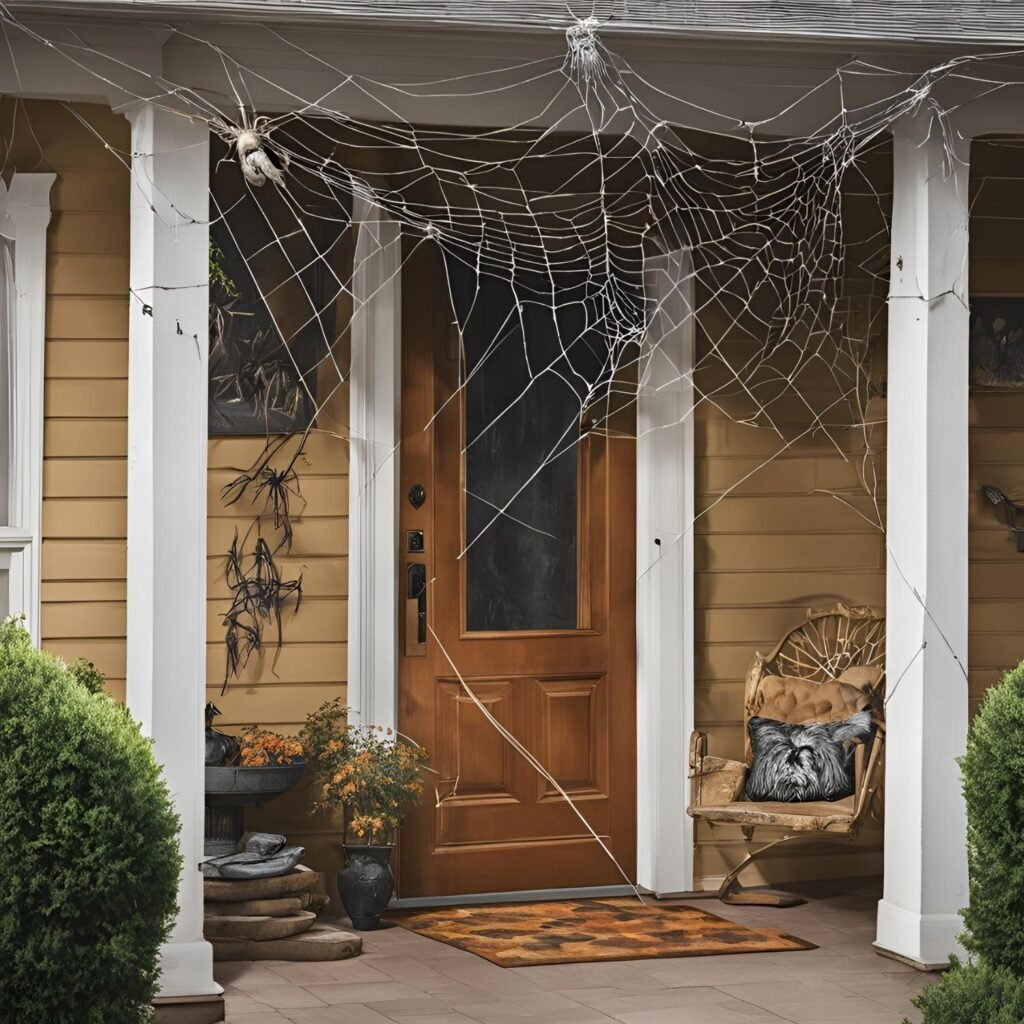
[798, 701]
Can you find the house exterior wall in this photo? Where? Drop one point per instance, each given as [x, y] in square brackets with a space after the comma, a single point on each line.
[278, 691]
[85, 467]
[996, 573]
[764, 553]
[771, 538]
[86, 365]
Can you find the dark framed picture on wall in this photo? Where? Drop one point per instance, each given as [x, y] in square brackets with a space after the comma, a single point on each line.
[997, 342]
[260, 382]
[273, 294]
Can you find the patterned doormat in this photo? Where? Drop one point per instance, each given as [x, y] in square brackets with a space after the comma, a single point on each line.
[583, 931]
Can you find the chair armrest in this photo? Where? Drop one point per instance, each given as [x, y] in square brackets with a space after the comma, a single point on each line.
[713, 780]
[858, 769]
[868, 775]
[698, 750]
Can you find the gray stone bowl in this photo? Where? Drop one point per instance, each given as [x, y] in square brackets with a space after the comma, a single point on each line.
[228, 786]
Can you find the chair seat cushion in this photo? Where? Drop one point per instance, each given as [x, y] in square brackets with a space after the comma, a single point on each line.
[813, 816]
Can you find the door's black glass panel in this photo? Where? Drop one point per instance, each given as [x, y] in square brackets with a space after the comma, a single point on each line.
[522, 455]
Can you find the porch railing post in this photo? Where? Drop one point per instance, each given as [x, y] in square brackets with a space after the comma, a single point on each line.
[167, 439]
[926, 578]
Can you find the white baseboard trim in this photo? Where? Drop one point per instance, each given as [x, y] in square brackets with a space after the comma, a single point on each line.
[526, 896]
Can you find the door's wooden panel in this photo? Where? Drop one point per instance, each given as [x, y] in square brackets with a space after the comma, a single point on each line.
[573, 720]
[471, 764]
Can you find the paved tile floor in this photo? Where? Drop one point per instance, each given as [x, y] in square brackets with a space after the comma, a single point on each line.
[403, 978]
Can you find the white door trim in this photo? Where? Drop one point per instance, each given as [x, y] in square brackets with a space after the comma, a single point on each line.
[664, 513]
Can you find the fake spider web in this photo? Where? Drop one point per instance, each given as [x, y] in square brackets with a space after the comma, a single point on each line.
[555, 222]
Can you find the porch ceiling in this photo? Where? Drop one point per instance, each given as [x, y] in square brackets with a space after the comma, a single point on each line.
[927, 22]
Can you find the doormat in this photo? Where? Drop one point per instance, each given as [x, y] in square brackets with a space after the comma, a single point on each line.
[585, 931]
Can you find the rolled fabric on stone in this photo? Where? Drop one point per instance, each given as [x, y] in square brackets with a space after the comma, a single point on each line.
[250, 864]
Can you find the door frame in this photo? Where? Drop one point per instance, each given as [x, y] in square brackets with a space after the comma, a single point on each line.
[664, 487]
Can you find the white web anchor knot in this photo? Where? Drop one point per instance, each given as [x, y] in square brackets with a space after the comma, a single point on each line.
[584, 60]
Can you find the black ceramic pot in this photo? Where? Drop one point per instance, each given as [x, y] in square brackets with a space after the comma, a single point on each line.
[366, 884]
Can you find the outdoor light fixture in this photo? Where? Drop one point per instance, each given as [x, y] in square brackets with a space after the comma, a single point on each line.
[1012, 511]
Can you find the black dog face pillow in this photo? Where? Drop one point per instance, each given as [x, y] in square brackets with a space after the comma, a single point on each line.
[804, 762]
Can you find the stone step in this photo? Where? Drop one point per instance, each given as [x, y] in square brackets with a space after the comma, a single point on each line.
[235, 890]
[322, 942]
[283, 906]
[258, 929]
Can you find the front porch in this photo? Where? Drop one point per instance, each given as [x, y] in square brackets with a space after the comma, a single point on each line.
[408, 979]
[738, 553]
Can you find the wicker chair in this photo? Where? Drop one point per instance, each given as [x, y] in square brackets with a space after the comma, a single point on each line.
[829, 666]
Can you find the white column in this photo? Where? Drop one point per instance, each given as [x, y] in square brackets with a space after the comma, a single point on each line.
[375, 392]
[664, 493]
[926, 579]
[27, 204]
[167, 413]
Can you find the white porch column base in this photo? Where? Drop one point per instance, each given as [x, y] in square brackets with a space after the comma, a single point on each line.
[664, 565]
[167, 441]
[186, 969]
[375, 383]
[926, 578]
[925, 940]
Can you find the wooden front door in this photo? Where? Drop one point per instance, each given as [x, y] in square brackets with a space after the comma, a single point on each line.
[530, 595]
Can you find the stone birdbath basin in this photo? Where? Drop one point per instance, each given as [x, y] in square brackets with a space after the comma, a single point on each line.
[229, 789]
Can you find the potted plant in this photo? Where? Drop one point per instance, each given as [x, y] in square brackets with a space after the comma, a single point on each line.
[373, 775]
[260, 765]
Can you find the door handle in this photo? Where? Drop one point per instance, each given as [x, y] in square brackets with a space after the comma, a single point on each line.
[416, 609]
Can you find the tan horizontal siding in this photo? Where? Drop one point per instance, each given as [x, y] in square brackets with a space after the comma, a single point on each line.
[86, 367]
[785, 522]
[996, 582]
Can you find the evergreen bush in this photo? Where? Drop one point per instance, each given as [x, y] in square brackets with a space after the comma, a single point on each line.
[993, 770]
[973, 994]
[89, 859]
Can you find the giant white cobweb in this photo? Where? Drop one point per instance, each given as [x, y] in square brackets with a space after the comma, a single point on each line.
[560, 214]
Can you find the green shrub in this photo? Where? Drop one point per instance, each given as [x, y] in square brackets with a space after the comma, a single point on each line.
[993, 768]
[87, 674]
[89, 860]
[973, 994]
